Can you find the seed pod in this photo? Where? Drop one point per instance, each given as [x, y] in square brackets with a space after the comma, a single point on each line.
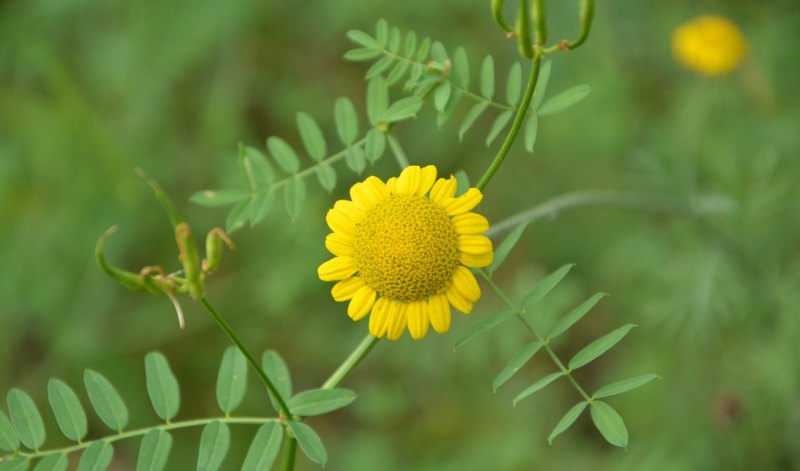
[189, 258]
[497, 14]
[214, 240]
[130, 280]
[524, 30]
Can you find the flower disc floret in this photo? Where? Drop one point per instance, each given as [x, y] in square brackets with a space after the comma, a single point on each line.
[403, 249]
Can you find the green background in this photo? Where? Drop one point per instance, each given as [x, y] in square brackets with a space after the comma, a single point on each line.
[90, 90]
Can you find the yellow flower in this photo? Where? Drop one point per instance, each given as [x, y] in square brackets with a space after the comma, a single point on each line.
[403, 250]
[709, 44]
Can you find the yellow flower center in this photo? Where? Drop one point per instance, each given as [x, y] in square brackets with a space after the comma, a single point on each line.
[406, 248]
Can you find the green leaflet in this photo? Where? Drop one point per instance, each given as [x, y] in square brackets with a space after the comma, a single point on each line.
[484, 325]
[26, 418]
[67, 408]
[309, 442]
[609, 423]
[154, 451]
[162, 386]
[320, 401]
[231, 380]
[599, 347]
[214, 444]
[567, 420]
[106, 400]
[265, 447]
[97, 457]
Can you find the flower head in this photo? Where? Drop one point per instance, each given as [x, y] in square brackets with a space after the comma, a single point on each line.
[709, 44]
[403, 249]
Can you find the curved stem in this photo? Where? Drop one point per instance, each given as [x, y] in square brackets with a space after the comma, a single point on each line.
[518, 119]
[351, 362]
[586, 17]
[144, 431]
[223, 324]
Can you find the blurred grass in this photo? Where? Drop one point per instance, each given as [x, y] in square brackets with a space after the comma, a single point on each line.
[89, 90]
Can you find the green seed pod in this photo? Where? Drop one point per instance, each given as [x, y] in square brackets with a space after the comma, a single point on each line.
[190, 259]
[524, 31]
[214, 240]
[497, 14]
[130, 280]
[539, 26]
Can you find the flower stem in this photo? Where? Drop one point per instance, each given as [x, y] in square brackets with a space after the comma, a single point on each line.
[518, 119]
[351, 362]
[223, 324]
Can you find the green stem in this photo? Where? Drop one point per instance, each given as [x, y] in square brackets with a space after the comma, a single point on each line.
[289, 453]
[545, 342]
[144, 431]
[397, 149]
[351, 362]
[223, 324]
[518, 119]
[586, 17]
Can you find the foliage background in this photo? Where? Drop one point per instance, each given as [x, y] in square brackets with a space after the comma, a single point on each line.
[89, 90]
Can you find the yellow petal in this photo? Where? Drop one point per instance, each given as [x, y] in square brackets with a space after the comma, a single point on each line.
[345, 289]
[426, 178]
[391, 185]
[474, 244]
[476, 260]
[409, 180]
[464, 281]
[463, 203]
[339, 244]
[338, 268]
[443, 190]
[362, 302]
[457, 300]
[418, 320]
[379, 318]
[470, 223]
[376, 189]
[339, 222]
[398, 314]
[439, 312]
[360, 196]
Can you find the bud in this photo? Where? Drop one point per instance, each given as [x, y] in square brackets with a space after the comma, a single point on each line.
[189, 258]
[214, 240]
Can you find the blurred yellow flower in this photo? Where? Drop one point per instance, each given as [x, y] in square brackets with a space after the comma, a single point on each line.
[709, 44]
[403, 250]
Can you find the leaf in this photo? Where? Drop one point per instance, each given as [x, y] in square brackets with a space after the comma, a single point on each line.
[599, 347]
[394, 39]
[517, 362]
[154, 451]
[382, 32]
[445, 114]
[264, 448]
[489, 322]
[411, 44]
[625, 385]
[320, 401]
[375, 146]
[499, 123]
[487, 78]
[362, 38]
[439, 53]
[309, 442]
[361, 54]
[441, 95]
[26, 418]
[541, 85]
[355, 159]
[219, 197]
[471, 117]
[106, 400]
[575, 315]
[9, 441]
[326, 176]
[283, 154]
[96, 457]
[609, 423]
[397, 72]
[564, 100]
[255, 164]
[531, 129]
[514, 86]
[460, 72]
[403, 108]
[379, 67]
[544, 286]
[312, 137]
[162, 386]
[416, 72]
[424, 49]
[294, 196]
[346, 120]
[231, 380]
[569, 418]
[52, 462]
[506, 246]
[16, 464]
[537, 386]
[238, 216]
[67, 409]
[214, 444]
[377, 99]
[260, 205]
[277, 371]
